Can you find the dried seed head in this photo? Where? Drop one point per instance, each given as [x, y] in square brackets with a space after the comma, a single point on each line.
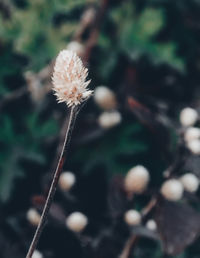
[33, 216]
[190, 182]
[76, 221]
[194, 146]
[132, 217]
[109, 119]
[137, 179]
[69, 79]
[192, 133]
[37, 254]
[151, 225]
[172, 190]
[105, 98]
[66, 181]
[188, 116]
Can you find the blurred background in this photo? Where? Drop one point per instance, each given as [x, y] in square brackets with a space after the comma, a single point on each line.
[143, 58]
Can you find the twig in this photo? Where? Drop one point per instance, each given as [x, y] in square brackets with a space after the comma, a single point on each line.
[145, 211]
[128, 247]
[73, 114]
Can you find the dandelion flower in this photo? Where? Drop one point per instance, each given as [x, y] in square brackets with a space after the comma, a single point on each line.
[69, 79]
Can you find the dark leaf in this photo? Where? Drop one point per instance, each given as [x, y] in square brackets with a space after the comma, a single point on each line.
[178, 226]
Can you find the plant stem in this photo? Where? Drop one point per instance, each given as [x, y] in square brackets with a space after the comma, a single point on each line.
[73, 114]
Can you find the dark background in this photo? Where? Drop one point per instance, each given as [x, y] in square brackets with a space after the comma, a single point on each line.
[148, 53]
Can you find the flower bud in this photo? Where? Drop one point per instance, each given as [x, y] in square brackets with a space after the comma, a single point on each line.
[132, 217]
[194, 146]
[192, 133]
[151, 225]
[109, 119]
[66, 181]
[105, 98]
[37, 254]
[136, 179]
[33, 216]
[172, 190]
[76, 221]
[190, 182]
[188, 116]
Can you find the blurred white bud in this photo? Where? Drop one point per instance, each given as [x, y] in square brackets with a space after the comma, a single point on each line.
[76, 221]
[172, 190]
[192, 133]
[76, 47]
[37, 254]
[190, 182]
[151, 225]
[109, 119]
[132, 217]
[33, 216]
[105, 98]
[136, 179]
[66, 181]
[188, 116]
[194, 146]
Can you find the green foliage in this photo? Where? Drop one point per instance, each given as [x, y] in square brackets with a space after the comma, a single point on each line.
[125, 144]
[136, 35]
[18, 147]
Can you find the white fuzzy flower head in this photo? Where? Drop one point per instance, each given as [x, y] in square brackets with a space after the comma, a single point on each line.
[66, 181]
[132, 217]
[37, 254]
[76, 221]
[136, 179]
[188, 116]
[151, 225]
[33, 216]
[172, 190]
[192, 133]
[194, 146]
[109, 119]
[105, 98]
[190, 182]
[69, 79]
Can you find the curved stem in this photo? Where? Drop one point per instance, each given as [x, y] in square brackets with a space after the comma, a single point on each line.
[73, 114]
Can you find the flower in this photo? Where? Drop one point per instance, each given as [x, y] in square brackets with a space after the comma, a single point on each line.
[69, 79]
[37, 254]
[137, 179]
[105, 98]
[190, 182]
[172, 190]
[33, 216]
[76, 221]
[132, 217]
[151, 225]
[66, 181]
[192, 133]
[194, 146]
[188, 116]
[109, 119]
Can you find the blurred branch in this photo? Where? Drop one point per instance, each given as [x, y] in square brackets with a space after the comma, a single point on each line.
[13, 96]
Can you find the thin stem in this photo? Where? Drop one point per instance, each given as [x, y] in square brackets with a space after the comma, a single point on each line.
[73, 114]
